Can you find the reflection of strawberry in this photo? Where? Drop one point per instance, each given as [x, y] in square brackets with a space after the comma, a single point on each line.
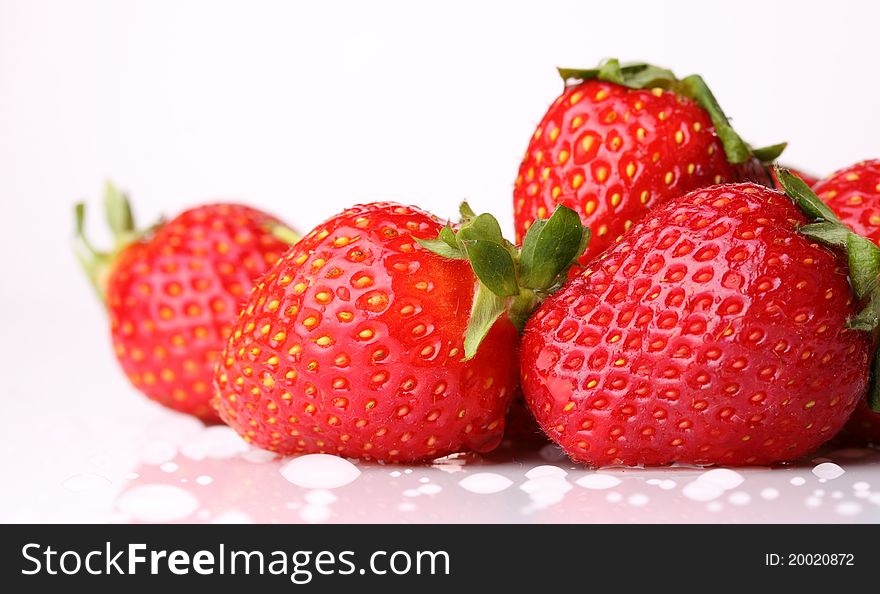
[358, 343]
[625, 139]
[854, 194]
[172, 292]
[713, 333]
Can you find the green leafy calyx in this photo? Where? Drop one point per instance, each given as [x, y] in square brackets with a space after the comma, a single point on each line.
[647, 76]
[511, 280]
[97, 263]
[863, 259]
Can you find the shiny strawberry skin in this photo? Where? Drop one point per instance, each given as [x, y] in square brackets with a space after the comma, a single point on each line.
[612, 153]
[853, 194]
[172, 298]
[353, 345]
[713, 333]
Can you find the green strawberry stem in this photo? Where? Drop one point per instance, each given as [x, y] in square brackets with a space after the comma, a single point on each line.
[97, 264]
[512, 280]
[863, 259]
[648, 76]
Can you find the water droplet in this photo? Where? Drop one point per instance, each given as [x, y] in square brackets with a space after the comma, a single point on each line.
[169, 467]
[598, 480]
[545, 470]
[828, 471]
[723, 477]
[320, 471]
[712, 484]
[485, 483]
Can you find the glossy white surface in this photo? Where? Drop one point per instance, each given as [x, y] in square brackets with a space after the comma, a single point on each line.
[80, 445]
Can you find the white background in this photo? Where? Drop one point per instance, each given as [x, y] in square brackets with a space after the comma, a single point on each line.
[306, 108]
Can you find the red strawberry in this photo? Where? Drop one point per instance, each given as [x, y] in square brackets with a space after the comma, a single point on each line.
[809, 179]
[712, 333]
[623, 140]
[358, 343]
[854, 195]
[172, 293]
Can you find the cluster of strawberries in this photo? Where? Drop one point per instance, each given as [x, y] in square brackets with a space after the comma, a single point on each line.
[671, 297]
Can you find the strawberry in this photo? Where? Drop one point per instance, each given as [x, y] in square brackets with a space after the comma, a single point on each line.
[623, 139]
[358, 341]
[172, 292]
[717, 331]
[853, 194]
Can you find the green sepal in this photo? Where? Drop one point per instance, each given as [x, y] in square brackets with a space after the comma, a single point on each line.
[485, 311]
[448, 235]
[735, 148]
[768, 154]
[483, 227]
[550, 247]
[510, 279]
[637, 75]
[441, 248]
[493, 265]
[864, 264]
[869, 317]
[645, 76]
[465, 212]
[827, 232]
[611, 71]
[804, 197]
[120, 219]
[97, 264]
